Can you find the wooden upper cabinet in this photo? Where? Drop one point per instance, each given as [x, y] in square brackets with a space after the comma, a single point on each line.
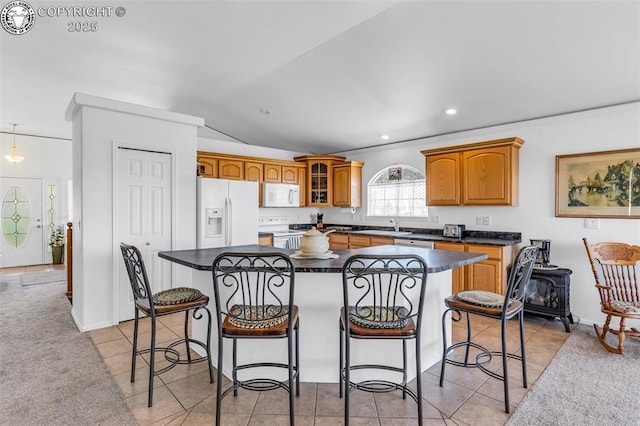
[490, 176]
[313, 173]
[231, 169]
[272, 173]
[253, 171]
[483, 173]
[302, 181]
[443, 179]
[207, 167]
[319, 185]
[347, 184]
[290, 175]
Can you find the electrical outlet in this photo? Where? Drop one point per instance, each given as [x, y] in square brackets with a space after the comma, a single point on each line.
[486, 220]
[478, 220]
[592, 223]
[434, 219]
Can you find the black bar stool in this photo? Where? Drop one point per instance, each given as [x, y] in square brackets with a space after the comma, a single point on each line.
[383, 300]
[254, 300]
[180, 299]
[492, 305]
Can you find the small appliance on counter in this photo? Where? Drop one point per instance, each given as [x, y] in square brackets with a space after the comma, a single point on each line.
[453, 231]
[319, 218]
[544, 252]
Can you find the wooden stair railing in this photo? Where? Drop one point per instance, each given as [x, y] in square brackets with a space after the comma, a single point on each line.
[69, 260]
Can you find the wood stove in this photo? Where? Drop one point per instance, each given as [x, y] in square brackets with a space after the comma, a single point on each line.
[547, 294]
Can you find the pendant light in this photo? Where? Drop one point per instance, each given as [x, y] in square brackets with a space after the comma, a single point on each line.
[14, 157]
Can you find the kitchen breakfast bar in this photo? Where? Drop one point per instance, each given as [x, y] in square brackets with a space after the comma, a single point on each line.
[318, 294]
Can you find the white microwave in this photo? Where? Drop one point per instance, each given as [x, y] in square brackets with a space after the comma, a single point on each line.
[280, 195]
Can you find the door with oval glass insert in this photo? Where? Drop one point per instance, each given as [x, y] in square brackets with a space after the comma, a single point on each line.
[22, 240]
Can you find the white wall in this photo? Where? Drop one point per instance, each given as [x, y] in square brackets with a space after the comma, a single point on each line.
[597, 130]
[97, 125]
[44, 157]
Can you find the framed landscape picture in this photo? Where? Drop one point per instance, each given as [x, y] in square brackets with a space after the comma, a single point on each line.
[599, 184]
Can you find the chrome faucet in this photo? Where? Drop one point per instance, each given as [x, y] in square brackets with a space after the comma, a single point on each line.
[394, 222]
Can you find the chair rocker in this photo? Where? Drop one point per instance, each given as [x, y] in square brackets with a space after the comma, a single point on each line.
[616, 272]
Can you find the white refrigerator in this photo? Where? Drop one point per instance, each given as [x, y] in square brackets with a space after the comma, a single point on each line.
[227, 212]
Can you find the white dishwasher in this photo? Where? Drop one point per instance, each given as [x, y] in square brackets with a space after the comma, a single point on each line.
[413, 243]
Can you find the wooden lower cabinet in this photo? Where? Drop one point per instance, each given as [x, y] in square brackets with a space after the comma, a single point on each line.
[380, 241]
[338, 241]
[265, 240]
[457, 274]
[358, 241]
[344, 241]
[489, 275]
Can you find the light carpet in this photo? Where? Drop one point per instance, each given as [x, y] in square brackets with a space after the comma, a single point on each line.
[43, 277]
[585, 385]
[50, 373]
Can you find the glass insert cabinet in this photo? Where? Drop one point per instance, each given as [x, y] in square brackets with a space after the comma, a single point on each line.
[319, 174]
[320, 178]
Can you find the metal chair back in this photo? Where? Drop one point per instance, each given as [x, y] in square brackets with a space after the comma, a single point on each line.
[384, 291]
[253, 290]
[137, 273]
[519, 276]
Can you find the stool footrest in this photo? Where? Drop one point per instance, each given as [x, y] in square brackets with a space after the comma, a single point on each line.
[382, 386]
[466, 363]
[173, 356]
[490, 355]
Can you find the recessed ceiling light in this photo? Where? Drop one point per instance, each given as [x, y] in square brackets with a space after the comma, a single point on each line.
[450, 111]
[384, 137]
[265, 111]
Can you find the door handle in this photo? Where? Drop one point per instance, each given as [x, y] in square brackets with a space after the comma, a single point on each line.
[230, 223]
[147, 243]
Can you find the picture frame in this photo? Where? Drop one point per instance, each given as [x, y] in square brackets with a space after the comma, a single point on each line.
[603, 184]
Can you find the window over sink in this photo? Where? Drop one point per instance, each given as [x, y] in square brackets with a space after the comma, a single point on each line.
[397, 191]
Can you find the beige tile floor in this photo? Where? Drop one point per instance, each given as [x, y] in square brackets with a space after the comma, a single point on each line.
[184, 396]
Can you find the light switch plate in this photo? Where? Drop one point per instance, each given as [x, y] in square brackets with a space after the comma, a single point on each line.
[592, 223]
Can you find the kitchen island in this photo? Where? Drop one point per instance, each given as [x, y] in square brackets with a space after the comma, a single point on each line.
[318, 293]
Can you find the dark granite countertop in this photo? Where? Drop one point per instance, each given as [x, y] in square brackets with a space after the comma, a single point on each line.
[437, 260]
[492, 238]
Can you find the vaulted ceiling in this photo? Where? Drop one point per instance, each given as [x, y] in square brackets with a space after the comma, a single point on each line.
[327, 76]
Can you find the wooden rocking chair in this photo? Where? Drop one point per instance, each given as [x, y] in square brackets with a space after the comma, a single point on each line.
[615, 268]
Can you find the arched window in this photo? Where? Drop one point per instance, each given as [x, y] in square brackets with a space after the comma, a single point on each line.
[397, 191]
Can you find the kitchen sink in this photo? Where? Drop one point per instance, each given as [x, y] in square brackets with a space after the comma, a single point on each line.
[383, 232]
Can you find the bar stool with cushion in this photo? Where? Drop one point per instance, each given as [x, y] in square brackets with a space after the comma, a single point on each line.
[499, 307]
[167, 302]
[254, 294]
[383, 300]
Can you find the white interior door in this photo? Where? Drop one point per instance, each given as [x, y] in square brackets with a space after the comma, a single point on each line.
[21, 222]
[144, 218]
